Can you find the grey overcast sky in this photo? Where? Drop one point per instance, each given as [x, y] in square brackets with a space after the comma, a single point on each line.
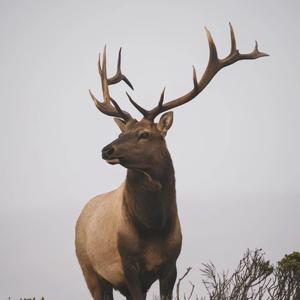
[235, 147]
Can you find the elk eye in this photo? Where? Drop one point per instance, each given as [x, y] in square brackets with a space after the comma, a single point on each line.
[144, 135]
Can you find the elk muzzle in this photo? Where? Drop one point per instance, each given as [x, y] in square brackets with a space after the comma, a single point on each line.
[108, 154]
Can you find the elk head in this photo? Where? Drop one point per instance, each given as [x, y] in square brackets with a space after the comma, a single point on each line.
[141, 144]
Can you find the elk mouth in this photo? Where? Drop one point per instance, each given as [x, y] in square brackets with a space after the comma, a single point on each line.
[113, 161]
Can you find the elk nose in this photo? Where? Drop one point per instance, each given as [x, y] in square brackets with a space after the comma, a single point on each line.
[107, 151]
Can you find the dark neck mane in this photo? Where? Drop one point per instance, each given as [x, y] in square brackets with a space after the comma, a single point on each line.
[150, 198]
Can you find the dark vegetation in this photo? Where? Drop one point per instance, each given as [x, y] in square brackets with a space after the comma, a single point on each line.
[255, 278]
[9, 298]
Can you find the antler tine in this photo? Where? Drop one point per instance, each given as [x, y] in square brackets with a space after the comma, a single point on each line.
[233, 41]
[214, 65]
[162, 97]
[119, 76]
[213, 54]
[149, 114]
[157, 109]
[106, 107]
[195, 81]
[124, 115]
[138, 107]
[234, 54]
[104, 80]
[99, 65]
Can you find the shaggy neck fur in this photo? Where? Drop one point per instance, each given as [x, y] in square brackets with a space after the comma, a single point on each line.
[150, 197]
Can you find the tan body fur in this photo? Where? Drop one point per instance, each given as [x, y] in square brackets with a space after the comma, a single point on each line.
[96, 240]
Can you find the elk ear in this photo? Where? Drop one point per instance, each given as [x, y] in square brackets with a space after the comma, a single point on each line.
[165, 122]
[121, 124]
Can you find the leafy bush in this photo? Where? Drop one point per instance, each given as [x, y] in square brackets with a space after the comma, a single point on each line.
[254, 278]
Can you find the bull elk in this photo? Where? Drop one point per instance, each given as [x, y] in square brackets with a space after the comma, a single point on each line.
[130, 237]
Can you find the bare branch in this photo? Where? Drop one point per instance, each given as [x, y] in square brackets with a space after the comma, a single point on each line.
[192, 290]
[179, 281]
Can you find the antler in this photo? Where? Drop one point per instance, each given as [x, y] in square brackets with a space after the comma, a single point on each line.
[214, 65]
[109, 106]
